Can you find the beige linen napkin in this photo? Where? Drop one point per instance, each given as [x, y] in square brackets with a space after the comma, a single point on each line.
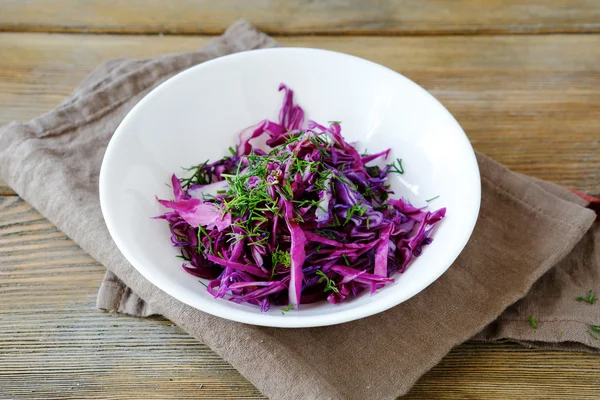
[532, 252]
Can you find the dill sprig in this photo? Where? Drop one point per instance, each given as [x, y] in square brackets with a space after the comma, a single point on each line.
[534, 324]
[325, 234]
[355, 209]
[396, 166]
[281, 258]
[346, 259]
[591, 298]
[201, 176]
[329, 283]
[202, 232]
[287, 308]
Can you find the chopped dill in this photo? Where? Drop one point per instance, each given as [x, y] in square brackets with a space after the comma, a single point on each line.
[287, 308]
[281, 258]
[329, 283]
[591, 298]
[396, 166]
[534, 324]
[355, 209]
[201, 245]
[346, 259]
[201, 176]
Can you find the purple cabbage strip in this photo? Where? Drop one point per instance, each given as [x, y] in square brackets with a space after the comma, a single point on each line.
[297, 256]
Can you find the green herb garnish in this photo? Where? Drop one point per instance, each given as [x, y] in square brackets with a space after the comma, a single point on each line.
[356, 209]
[256, 188]
[433, 198]
[325, 234]
[346, 259]
[201, 245]
[201, 176]
[591, 298]
[534, 324]
[396, 166]
[281, 257]
[287, 308]
[329, 283]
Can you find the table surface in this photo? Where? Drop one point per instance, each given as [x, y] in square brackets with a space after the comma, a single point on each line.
[522, 77]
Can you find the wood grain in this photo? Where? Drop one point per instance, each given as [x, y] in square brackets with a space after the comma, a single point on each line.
[531, 102]
[55, 344]
[389, 17]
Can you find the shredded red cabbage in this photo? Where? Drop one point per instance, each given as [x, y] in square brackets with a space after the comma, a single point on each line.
[302, 220]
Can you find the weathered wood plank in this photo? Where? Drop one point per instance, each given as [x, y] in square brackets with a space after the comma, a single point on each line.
[303, 16]
[531, 102]
[54, 344]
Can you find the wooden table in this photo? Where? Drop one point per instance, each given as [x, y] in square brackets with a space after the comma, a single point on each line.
[522, 77]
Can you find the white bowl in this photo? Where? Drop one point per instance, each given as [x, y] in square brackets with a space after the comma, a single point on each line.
[197, 115]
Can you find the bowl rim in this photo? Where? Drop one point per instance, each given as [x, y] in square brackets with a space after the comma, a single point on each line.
[289, 320]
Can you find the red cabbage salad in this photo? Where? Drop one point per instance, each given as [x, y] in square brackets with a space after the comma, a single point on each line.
[300, 219]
